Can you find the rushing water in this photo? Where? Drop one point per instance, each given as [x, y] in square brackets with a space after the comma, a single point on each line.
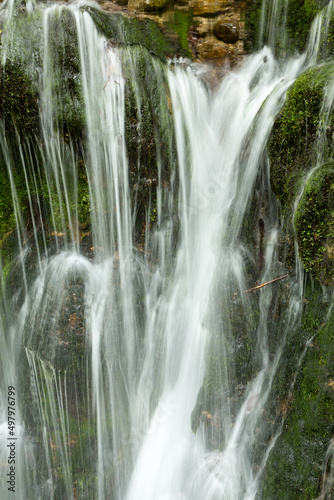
[273, 22]
[112, 350]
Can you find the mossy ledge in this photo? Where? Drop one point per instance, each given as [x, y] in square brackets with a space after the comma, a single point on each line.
[291, 145]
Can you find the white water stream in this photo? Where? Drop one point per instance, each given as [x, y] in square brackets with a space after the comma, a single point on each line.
[129, 414]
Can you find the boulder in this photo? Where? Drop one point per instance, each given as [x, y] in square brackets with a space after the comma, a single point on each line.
[226, 31]
[212, 49]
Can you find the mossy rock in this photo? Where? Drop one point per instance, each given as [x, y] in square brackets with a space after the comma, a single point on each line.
[314, 223]
[293, 154]
[20, 79]
[295, 130]
[299, 19]
[67, 86]
[18, 100]
[300, 16]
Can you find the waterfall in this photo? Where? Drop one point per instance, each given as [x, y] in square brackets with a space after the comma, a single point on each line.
[127, 352]
[273, 21]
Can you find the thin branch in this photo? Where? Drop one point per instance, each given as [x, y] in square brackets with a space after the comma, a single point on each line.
[265, 284]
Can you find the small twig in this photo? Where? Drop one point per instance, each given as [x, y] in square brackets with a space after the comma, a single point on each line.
[265, 284]
[106, 83]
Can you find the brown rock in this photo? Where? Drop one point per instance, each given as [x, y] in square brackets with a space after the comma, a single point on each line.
[204, 7]
[226, 32]
[212, 49]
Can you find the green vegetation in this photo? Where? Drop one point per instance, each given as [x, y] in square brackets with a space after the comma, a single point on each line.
[300, 14]
[18, 100]
[291, 146]
[182, 22]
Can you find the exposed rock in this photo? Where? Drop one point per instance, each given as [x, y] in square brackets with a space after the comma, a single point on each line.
[226, 31]
[205, 7]
[212, 49]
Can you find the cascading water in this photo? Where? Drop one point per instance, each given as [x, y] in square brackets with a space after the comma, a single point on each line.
[273, 20]
[116, 349]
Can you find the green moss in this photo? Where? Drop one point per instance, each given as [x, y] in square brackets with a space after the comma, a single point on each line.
[293, 154]
[314, 222]
[300, 16]
[182, 22]
[7, 221]
[294, 132]
[18, 100]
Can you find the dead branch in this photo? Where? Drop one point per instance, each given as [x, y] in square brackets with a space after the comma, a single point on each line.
[265, 284]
